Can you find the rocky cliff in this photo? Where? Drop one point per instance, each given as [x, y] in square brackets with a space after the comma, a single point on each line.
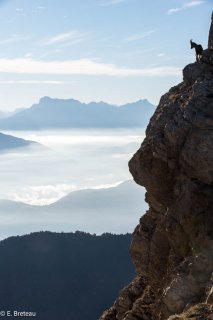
[172, 247]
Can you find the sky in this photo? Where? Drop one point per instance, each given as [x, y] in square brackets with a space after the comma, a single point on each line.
[115, 51]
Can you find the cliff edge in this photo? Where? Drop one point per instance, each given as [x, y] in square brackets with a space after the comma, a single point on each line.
[172, 247]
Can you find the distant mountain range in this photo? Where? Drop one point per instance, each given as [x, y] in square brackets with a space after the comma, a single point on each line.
[69, 276]
[9, 143]
[62, 114]
[116, 209]
[7, 114]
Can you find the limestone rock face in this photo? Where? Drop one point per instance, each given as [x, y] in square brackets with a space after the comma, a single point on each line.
[172, 247]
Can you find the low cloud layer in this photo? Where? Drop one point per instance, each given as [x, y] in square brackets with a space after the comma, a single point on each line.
[42, 195]
[47, 194]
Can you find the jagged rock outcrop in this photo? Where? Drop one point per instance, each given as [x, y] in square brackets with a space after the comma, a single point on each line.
[210, 41]
[172, 247]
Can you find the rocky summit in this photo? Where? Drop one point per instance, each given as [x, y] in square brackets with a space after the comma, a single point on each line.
[172, 247]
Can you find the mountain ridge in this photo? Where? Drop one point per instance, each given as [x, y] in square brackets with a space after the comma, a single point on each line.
[70, 113]
[11, 143]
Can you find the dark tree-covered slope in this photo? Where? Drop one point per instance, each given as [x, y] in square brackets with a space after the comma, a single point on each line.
[65, 276]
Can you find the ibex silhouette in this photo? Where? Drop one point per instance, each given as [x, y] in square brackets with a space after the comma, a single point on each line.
[198, 50]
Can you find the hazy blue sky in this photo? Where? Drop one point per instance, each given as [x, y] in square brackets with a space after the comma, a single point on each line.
[111, 50]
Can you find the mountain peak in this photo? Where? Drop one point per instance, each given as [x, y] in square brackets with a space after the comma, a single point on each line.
[45, 99]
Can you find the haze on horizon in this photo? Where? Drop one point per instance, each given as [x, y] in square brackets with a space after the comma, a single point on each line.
[108, 50]
[74, 161]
